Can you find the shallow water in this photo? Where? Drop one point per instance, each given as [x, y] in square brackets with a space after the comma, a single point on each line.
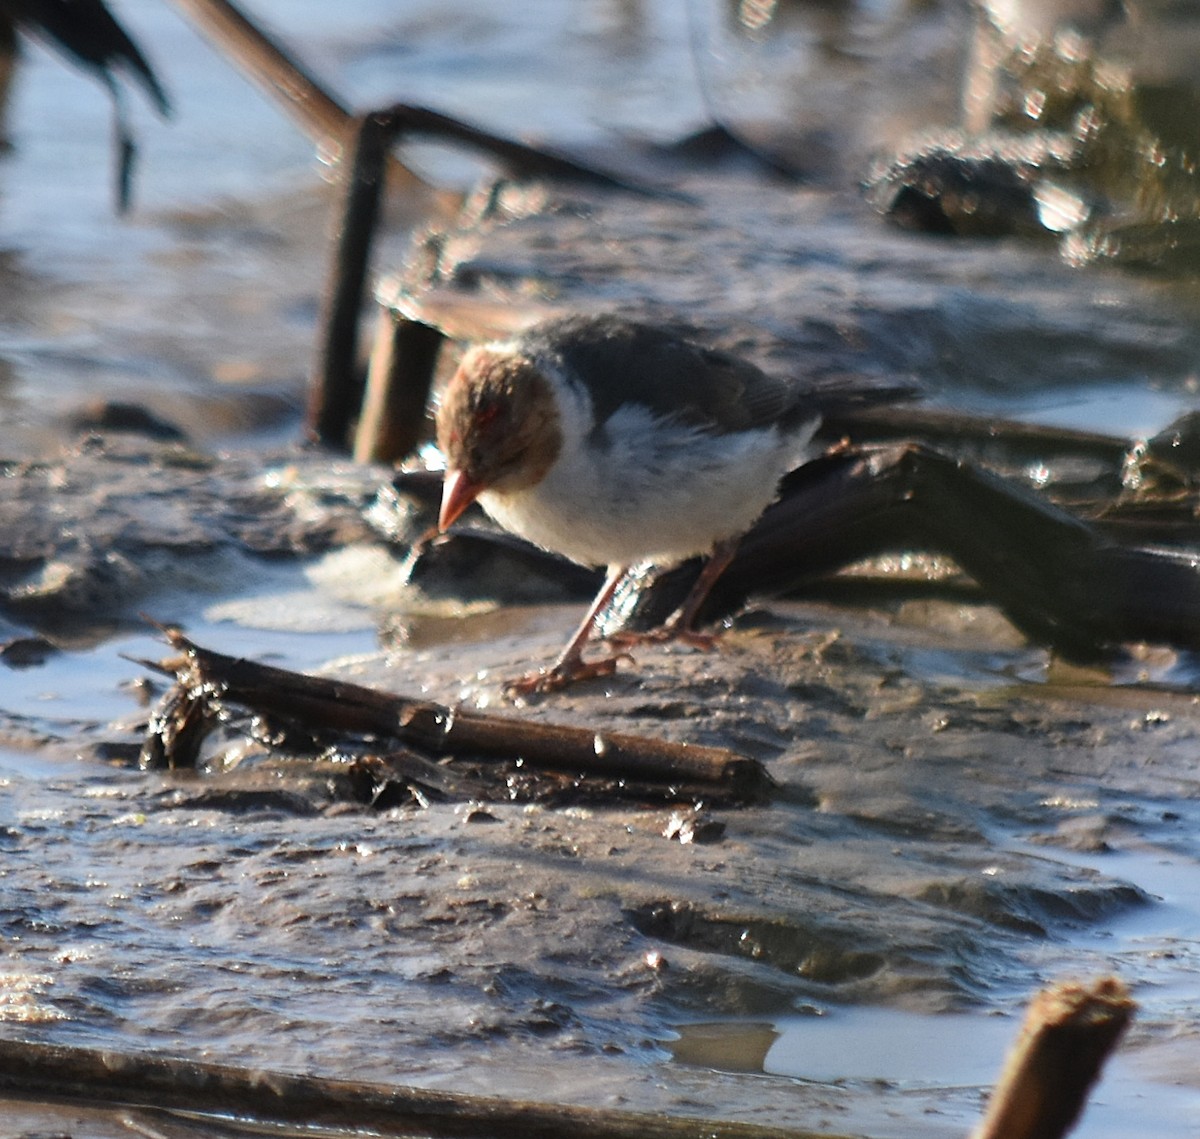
[150, 916]
[939, 1066]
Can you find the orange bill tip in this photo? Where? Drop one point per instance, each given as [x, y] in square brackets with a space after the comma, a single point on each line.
[458, 492]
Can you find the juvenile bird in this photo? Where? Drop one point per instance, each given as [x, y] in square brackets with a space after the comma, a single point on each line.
[615, 443]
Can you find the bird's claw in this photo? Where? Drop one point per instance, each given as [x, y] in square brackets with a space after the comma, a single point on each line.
[561, 675]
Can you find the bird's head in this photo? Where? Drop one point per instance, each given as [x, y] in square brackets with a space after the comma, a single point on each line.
[497, 426]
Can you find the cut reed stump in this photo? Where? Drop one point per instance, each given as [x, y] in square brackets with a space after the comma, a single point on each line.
[1068, 1033]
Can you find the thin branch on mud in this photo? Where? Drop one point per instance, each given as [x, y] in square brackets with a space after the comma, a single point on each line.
[298, 1105]
[208, 683]
[1069, 1032]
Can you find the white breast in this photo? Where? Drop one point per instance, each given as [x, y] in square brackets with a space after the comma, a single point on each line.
[649, 489]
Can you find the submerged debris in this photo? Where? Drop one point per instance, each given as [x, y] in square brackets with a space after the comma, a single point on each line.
[1068, 1033]
[294, 1105]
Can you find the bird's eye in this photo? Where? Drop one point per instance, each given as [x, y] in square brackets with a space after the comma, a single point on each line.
[487, 415]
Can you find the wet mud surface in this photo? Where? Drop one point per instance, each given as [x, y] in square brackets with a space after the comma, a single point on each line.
[89, 529]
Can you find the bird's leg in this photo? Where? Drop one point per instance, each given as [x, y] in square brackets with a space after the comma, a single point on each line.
[570, 665]
[678, 627]
[679, 624]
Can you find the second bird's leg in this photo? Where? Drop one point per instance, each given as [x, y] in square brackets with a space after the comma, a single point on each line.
[570, 665]
[678, 626]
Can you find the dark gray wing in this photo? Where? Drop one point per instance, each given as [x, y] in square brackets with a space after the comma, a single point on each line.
[622, 362]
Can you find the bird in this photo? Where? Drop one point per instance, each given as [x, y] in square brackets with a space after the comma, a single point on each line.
[87, 32]
[89, 35]
[617, 443]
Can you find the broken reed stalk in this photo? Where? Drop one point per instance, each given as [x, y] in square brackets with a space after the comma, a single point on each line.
[1068, 1033]
[267, 64]
[335, 396]
[296, 1105]
[204, 676]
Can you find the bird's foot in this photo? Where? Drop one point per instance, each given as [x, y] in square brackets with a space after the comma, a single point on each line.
[562, 674]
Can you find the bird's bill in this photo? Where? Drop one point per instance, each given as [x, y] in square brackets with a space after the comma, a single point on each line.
[458, 492]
